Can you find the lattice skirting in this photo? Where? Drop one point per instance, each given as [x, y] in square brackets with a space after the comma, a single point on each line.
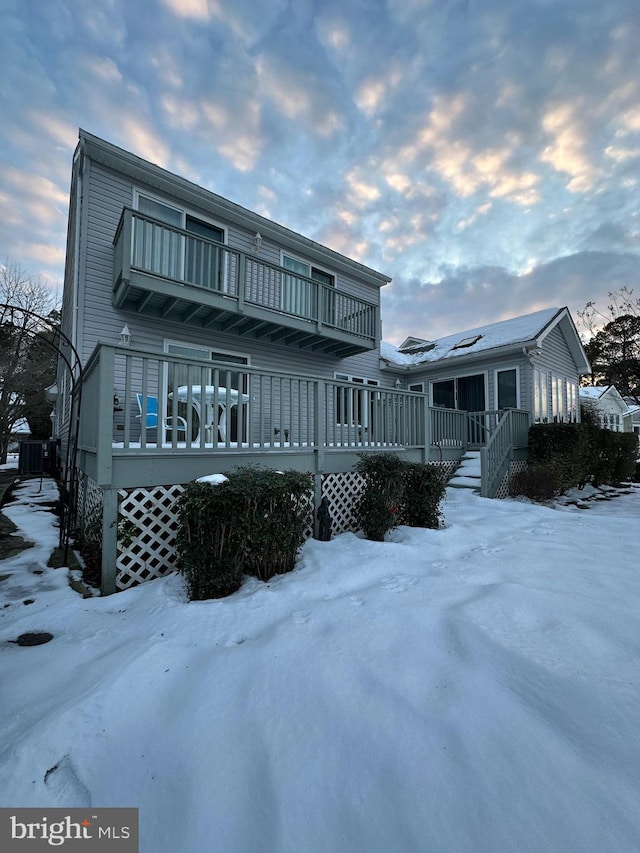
[342, 491]
[147, 521]
[516, 467]
[447, 467]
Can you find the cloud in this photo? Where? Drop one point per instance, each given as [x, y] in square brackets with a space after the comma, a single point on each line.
[567, 152]
[468, 297]
[197, 10]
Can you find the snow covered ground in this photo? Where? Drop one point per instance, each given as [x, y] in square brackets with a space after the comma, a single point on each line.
[469, 690]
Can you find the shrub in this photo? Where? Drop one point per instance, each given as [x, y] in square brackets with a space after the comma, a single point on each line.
[397, 492]
[378, 508]
[277, 508]
[254, 522]
[206, 545]
[538, 483]
[582, 453]
[423, 489]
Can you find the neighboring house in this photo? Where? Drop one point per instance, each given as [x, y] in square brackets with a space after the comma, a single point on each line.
[632, 417]
[20, 432]
[533, 362]
[607, 407]
[211, 337]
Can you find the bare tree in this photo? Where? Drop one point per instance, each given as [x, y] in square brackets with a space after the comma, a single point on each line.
[24, 302]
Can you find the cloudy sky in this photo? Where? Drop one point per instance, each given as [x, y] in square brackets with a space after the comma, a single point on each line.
[484, 153]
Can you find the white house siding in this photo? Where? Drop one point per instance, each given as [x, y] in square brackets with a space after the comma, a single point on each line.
[609, 408]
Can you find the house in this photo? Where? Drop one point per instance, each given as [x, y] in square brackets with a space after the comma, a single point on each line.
[532, 363]
[199, 336]
[632, 417]
[607, 407]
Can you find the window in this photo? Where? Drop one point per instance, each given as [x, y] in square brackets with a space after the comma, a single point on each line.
[572, 400]
[353, 405]
[181, 376]
[194, 259]
[417, 386]
[507, 388]
[298, 294]
[557, 398]
[541, 398]
[444, 394]
[466, 393]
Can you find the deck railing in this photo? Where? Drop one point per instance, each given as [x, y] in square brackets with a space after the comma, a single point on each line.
[144, 404]
[207, 405]
[146, 245]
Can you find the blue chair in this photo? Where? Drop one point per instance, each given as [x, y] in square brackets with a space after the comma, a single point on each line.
[151, 421]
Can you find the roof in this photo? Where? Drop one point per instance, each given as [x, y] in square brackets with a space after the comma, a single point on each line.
[529, 329]
[593, 392]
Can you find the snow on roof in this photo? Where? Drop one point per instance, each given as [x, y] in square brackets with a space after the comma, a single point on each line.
[593, 392]
[501, 334]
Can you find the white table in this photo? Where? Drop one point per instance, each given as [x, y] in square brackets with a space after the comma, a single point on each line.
[225, 398]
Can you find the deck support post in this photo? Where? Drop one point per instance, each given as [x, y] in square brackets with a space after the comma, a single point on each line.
[109, 540]
[320, 442]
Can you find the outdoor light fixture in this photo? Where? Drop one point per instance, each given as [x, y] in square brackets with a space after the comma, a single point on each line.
[125, 336]
[257, 242]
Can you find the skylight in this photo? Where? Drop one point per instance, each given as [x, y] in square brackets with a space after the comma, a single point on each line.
[467, 342]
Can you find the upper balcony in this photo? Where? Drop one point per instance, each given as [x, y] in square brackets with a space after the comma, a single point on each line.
[170, 273]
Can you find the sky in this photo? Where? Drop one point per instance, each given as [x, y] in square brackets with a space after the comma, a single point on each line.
[483, 153]
[470, 689]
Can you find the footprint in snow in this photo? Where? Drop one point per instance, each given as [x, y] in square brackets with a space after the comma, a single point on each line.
[235, 641]
[301, 618]
[67, 786]
[398, 583]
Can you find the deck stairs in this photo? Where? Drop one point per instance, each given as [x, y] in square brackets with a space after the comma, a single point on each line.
[467, 475]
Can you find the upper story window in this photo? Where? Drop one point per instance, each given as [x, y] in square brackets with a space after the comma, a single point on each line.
[160, 210]
[298, 294]
[192, 258]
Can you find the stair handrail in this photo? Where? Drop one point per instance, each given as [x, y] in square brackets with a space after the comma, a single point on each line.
[496, 454]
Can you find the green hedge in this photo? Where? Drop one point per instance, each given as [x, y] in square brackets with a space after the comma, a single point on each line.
[582, 453]
[397, 492]
[253, 523]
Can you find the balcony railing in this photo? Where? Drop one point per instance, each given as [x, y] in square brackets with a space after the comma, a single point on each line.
[233, 281]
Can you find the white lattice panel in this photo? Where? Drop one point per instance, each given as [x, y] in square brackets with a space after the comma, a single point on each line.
[342, 491]
[516, 467]
[447, 468]
[151, 552]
